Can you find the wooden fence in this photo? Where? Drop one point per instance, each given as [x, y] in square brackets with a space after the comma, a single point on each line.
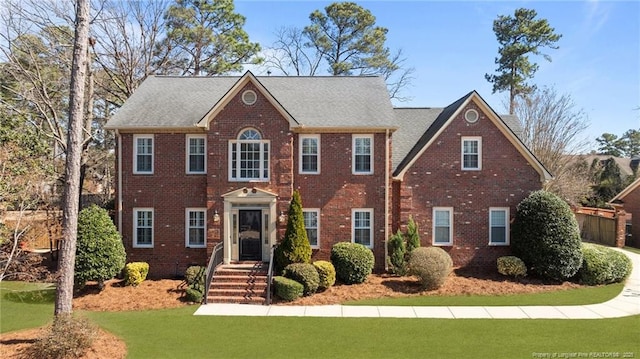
[43, 228]
[599, 225]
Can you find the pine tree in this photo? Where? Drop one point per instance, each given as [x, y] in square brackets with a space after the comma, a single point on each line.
[294, 247]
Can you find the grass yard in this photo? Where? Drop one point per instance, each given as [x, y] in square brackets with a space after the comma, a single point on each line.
[175, 333]
[632, 249]
[25, 305]
[579, 296]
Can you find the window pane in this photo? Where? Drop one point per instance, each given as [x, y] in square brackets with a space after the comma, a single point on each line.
[196, 154]
[363, 236]
[362, 154]
[144, 154]
[442, 218]
[442, 226]
[144, 227]
[471, 154]
[442, 235]
[498, 226]
[498, 235]
[309, 155]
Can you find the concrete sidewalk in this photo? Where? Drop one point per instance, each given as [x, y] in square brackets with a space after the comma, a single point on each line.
[625, 304]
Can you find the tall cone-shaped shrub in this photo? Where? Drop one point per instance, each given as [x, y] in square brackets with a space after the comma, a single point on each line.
[413, 238]
[294, 247]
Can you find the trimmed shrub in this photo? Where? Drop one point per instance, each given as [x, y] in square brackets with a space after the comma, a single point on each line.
[602, 265]
[195, 275]
[512, 266]
[413, 237]
[545, 235]
[67, 337]
[397, 254]
[353, 262]
[304, 273]
[135, 273]
[287, 289]
[326, 273]
[194, 295]
[100, 253]
[294, 247]
[432, 265]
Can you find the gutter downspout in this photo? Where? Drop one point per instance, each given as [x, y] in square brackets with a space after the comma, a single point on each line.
[119, 204]
[386, 200]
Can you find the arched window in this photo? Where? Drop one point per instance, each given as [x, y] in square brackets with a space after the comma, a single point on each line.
[249, 157]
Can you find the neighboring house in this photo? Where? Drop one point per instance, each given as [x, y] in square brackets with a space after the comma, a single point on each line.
[216, 159]
[629, 200]
[628, 166]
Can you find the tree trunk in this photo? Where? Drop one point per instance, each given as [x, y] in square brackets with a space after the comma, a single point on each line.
[66, 264]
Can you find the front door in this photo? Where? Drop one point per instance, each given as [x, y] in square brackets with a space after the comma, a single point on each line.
[250, 234]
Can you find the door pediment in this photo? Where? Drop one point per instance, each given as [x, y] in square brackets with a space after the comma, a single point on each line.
[246, 195]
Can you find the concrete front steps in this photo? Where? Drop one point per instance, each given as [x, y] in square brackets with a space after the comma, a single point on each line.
[240, 283]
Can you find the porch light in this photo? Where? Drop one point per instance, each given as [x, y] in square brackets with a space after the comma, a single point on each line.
[282, 217]
[216, 217]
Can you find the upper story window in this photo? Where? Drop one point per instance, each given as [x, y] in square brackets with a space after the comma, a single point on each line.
[362, 154]
[143, 154]
[196, 153]
[310, 154]
[362, 226]
[472, 153]
[249, 157]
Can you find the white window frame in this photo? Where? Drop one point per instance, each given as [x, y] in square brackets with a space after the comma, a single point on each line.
[433, 240]
[354, 139]
[353, 225]
[188, 154]
[506, 226]
[317, 228]
[301, 169]
[135, 227]
[135, 153]
[187, 227]
[264, 161]
[479, 154]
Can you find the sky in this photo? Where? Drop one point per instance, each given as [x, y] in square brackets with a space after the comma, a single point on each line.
[451, 46]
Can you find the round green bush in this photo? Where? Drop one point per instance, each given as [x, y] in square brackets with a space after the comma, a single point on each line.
[353, 262]
[287, 289]
[327, 274]
[432, 265]
[135, 273]
[304, 273]
[193, 295]
[546, 236]
[195, 274]
[100, 253]
[602, 265]
[511, 266]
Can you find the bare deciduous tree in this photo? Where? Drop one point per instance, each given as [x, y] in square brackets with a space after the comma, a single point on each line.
[552, 130]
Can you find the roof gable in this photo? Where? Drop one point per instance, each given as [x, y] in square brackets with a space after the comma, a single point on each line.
[635, 185]
[446, 116]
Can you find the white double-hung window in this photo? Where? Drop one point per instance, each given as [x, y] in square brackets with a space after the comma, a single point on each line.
[362, 154]
[143, 227]
[362, 226]
[499, 226]
[472, 153]
[143, 154]
[249, 157]
[196, 154]
[312, 225]
[442, 226]
[310, 154]
[195, 223]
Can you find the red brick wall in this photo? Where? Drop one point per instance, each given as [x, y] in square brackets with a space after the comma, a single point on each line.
[336, 191]
[632, 205]
[436, 180]
[169, 190]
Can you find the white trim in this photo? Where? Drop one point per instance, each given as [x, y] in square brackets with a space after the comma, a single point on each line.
[187, 152]
[464, 139]
[135, 227]
[119, 169]
[247, 92]
[353, 225]
[433, 220]
[187, 227]
[301, 139]
[354, 137]
[473, 112]
[317, 212]
[506, 225]
[237, 142]
[135, 153]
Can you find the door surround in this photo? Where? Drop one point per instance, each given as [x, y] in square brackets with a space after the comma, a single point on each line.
[248, 199]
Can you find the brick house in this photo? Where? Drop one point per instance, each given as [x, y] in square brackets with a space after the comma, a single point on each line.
[207, 160]
[629, 200]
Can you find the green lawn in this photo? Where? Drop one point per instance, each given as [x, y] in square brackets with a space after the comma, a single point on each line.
[578, 296]
[632, 249]
[176, 333]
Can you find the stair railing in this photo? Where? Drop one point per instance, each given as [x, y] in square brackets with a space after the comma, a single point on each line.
[270, 274]
[215, 260]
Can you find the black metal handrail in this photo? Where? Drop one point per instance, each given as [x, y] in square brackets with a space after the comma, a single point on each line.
[214, 261]
[270, 274]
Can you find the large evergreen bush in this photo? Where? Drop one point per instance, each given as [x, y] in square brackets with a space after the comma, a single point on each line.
[100, 253]
[294, 247]
[353, 262]
[545, 235]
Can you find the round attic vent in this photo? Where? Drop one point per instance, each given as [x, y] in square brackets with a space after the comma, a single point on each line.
[471, 116]
[249, 97]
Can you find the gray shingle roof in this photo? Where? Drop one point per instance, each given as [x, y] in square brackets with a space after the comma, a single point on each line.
[329, 101]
